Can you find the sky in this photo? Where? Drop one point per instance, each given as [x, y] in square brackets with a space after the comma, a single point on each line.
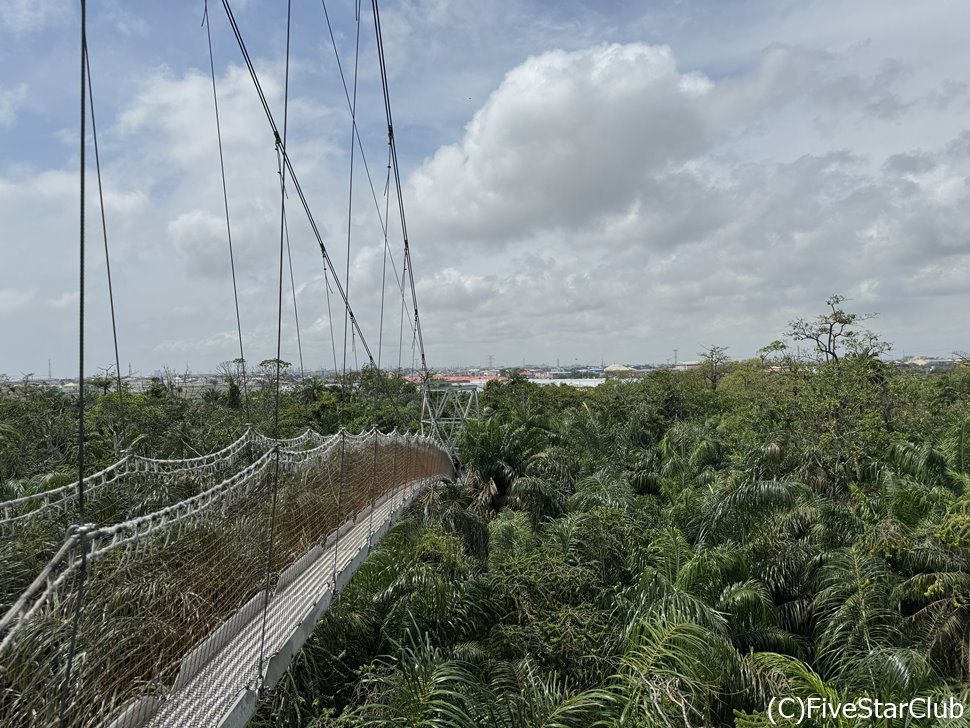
[582, 182]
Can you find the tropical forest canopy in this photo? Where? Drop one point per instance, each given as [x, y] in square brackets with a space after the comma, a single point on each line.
[668, 551]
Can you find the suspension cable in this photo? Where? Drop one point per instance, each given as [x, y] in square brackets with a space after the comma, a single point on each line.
[225, 200]
[350, 191]
[397, 182]
[296, 310]
[294, 179]
[82, 570]
[333, 340]
[279, 347]
[383, 218]
[107, 257]
[80, 375]
[387, 203]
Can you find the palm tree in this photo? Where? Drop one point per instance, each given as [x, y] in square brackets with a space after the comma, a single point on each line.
[310, 389]
[854, 607]
[422, 687]
[498, 452]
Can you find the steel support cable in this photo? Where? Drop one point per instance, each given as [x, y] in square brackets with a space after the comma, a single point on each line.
[404, 305]
[107, 257]
[82, 571]
[279, 351]
[80, 376]
[373, 495]
[350, 192]
[339, 287]
[333, 340]
[340, 491]
[225, 201]
[384, 219]
[400, 337]
[289, 257]
[296, 311]
[294, 179]
[397, 180]
[387, 204]
[412, 370]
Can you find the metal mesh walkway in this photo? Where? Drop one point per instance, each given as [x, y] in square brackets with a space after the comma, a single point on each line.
[224, 692]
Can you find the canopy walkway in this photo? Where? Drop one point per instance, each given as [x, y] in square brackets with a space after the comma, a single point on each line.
[174, 592]
[180, 612]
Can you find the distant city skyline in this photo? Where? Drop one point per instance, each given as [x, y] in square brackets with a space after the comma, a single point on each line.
[951, 355]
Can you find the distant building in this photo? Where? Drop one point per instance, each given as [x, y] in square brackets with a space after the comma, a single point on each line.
[619, 371]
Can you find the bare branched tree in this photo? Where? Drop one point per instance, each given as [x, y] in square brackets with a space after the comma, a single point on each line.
[838, 331]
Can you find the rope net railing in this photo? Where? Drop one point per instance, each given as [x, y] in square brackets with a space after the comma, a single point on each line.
[64, 499]
[32, 527]
[139, 607]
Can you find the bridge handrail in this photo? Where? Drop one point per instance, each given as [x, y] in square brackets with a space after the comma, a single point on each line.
[128, 532]
[105, 538]
[20, 612]
[201, 460]
[12, 511]
[309, 436]
[128, 666]
[9, 510]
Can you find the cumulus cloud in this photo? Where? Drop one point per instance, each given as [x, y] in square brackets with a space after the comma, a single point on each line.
[570, 138]
[567, 197]
[66, 300]
[605, 194]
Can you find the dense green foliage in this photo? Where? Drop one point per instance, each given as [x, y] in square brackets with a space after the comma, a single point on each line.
[39, 444]
[39, 424]
[666, 553]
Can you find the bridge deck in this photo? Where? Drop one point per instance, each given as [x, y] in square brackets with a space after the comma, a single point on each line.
[223, 692]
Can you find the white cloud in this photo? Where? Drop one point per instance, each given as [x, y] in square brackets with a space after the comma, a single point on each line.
[12, 300]
[567, 197]
[571, 137]
[65, 300]
[22, 16]
[605, 196]
[124, 20]
[11, 100]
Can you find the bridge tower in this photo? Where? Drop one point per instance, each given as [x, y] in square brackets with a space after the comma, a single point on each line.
[444, 411]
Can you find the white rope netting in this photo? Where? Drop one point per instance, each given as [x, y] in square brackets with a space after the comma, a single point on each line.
[139, 594]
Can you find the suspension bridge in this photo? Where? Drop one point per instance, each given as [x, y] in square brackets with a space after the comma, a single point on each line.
[160, 592]
[185, 614]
